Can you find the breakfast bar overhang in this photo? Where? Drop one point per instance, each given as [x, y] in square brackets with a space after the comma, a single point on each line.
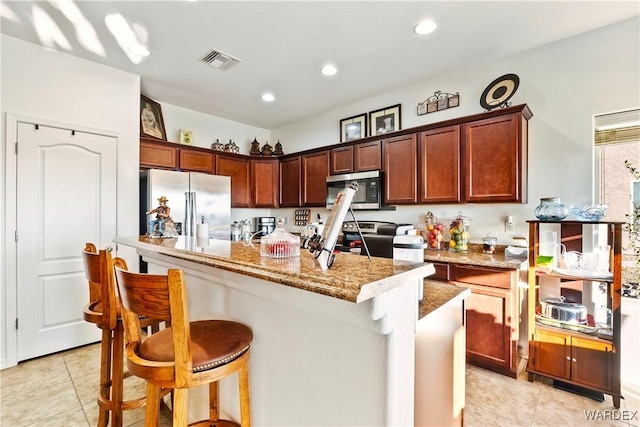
[331, 346]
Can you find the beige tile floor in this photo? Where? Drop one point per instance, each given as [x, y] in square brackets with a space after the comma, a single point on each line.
[60, 390]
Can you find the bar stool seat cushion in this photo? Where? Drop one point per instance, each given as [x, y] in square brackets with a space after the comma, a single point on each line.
[213, 343]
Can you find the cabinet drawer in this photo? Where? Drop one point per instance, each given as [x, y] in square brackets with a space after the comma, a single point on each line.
[482, 276]
[442, 272]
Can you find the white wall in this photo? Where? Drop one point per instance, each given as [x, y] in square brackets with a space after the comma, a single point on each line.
[56, 88]
[565, 84]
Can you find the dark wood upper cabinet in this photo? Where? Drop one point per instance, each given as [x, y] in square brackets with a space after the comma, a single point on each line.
[367, 156]
[439, 171]
[342, 160]
[315, 170]
[239, 169]
[290, 181]
[495, 159]
[158, 155]
[196, 160]
[400, 170]
[265, 183]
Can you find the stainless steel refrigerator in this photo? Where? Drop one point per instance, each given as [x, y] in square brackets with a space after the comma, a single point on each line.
[193, 198]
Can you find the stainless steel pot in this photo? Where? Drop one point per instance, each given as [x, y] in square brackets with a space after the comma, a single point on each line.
[558, 309]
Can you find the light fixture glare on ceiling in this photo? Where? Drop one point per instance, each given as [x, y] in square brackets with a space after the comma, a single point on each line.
[425, 27]
[329, 70]
[268, 97]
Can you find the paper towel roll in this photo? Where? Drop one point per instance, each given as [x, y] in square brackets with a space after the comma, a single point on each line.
[202, 231]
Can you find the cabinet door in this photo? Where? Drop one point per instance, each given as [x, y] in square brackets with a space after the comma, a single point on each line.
[440, 165]
[552, 353]
[592, 363]
[494, 159]
[367, 156]
[239, 169]
[196, 161]
[290, 181]
[491, 341]
[265, 183]
[154, 155]
[342, 160]
[315, 170]
[400, 170]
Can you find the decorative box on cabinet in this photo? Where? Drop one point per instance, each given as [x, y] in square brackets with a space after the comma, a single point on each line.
[400, 170]
[493, 315]
[495, 158]
[577, 357]
[290, 181]
[265, 183]
[239, 169]
[315, 170]
[158, 155]
[440, 165]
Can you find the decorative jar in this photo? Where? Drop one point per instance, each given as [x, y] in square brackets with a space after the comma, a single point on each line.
[280, 243]
[551, 209]
[459, 234]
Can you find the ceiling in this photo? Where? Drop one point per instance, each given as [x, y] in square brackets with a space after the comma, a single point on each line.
[283, 45]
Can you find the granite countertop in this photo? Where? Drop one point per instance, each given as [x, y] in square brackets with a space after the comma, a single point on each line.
[351, 278]
[437, 293]
[476, 257]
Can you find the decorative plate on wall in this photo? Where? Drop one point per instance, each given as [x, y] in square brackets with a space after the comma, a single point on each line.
[499, 92]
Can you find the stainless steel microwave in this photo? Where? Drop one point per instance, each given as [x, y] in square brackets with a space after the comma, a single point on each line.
[369, 194]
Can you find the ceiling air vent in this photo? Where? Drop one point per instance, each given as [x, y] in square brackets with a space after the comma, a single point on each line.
[220, 60]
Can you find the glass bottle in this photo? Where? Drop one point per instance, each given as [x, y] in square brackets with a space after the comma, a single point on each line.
[459, 234]
[551, 209]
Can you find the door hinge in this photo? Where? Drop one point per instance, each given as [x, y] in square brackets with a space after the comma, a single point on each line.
[16, 148]
[16, 323]
[16, 236]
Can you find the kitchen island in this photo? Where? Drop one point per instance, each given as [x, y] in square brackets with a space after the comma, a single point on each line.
[331, 347]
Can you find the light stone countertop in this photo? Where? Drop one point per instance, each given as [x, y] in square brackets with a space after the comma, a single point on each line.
[351, 278]
[474, 257]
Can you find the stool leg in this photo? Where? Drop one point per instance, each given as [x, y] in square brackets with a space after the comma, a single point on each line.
[180, 400]
[105, 375]
[153, 406]
[245, 407]
[117, 375]
[214, 414]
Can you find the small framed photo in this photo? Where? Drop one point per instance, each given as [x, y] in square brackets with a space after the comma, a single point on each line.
[443, 103]
[385, 120]
[353, 128]
[432, 106]
[186, 137]
[151, 121]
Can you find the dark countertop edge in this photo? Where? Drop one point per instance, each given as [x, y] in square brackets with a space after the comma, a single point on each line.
[437, 294]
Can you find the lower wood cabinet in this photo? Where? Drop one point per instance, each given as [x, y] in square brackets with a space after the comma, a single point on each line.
[564, 357]
[493, 315]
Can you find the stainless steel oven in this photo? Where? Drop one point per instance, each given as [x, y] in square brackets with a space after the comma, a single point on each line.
[369, 194]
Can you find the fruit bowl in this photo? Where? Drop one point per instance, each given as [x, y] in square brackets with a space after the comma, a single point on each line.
[592, 213]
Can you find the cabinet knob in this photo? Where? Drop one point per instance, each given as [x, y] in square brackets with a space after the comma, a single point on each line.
[568, 358]
[573, 360]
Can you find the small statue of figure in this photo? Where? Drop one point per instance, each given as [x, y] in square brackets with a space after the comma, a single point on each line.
[255, 148]
[278, 149]
[266, 149]
[163, 214]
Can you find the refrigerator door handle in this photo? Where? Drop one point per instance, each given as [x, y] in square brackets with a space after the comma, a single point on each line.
[189, 213]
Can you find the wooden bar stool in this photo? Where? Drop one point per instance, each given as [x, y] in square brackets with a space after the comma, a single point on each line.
[104, 311]
[185, 354]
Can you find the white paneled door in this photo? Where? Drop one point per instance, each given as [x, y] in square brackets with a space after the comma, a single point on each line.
[66, 196]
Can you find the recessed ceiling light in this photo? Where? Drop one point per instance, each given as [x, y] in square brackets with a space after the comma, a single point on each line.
[139, 50]
[425, 27]
[268, 97]
[329, 70]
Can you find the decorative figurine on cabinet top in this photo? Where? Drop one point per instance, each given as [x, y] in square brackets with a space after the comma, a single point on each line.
[217, 146]
[267, 150]
[278, 149]
[255, 148]
[231, 147]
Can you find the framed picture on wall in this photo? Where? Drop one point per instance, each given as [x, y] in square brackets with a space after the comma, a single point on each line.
[385, 120]
[151, 121]
[353, 128]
